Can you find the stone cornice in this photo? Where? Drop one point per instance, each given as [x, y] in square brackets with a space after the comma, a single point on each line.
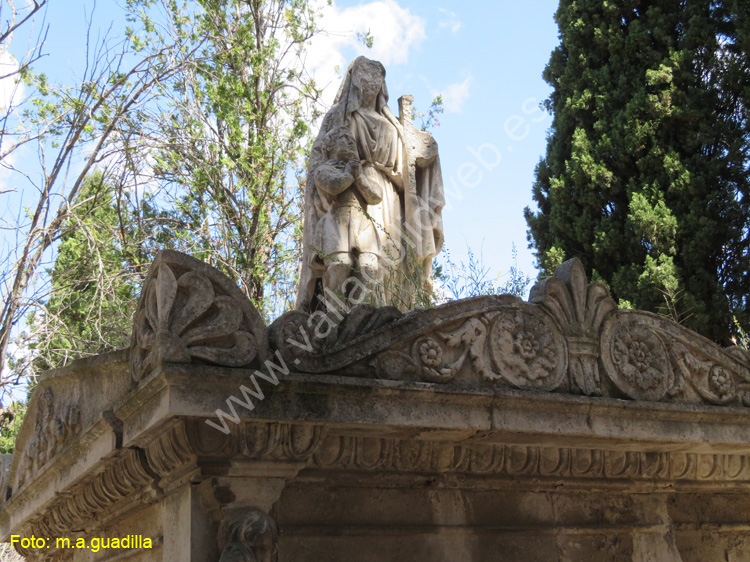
[432, 407]
[187, 447]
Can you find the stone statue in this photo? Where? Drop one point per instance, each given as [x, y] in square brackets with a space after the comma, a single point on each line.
[348, 237]
[373, 198]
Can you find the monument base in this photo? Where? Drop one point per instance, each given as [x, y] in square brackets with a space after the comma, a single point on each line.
[634, 445]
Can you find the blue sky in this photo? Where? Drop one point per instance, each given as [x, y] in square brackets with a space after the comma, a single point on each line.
[486, 59]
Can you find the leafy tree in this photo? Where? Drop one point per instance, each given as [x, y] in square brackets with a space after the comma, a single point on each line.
[646, 176]
[233, 132]
[189, 135]
[94, 284]
[13, 417]
[95, 124]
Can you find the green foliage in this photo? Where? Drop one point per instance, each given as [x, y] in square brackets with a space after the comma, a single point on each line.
[742, 338]
[192, 136]
[430, 118]
[647, 173]
[366, 39]
[472, 278]
[235, 131]
[9, 430]
[95, 279]
[94, 126]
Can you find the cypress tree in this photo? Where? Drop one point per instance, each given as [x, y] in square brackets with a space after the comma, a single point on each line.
[646, 174]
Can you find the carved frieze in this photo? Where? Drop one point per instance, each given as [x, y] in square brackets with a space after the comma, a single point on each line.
[170, 450]
[648, 357]
[190, 311]
[568, 338]
[387, 454]
[484, 340]
[77, 508]
[54, 426]
[250, 440]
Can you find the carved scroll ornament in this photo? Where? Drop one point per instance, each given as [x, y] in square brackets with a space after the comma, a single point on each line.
[648, 357]
[568, 338]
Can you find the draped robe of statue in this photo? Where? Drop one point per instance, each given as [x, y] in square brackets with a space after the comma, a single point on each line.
[404, 162]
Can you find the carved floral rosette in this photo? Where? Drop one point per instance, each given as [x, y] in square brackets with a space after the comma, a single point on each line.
[569, 338]
[191, 311]
[648, 357]
[485, 340]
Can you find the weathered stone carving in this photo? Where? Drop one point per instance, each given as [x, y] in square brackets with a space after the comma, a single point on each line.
[55, 425]
[288, 442]
[388, 454]
[527, 348]
[504, 340]
[190, 311]
[579, 308]
[637, 361]
[78, 508]
[569, 326]
[347, 237]
[171, 450]
[648, 357]
[5, 463]
[373, 181]
[428, 352]
[182, 443]
[249, 536]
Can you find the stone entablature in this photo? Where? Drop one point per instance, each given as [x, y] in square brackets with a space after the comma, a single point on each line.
[427, 428]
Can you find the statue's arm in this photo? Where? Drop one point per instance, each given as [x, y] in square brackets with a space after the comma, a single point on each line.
[371, 191]
[386, 111]
[330, 180]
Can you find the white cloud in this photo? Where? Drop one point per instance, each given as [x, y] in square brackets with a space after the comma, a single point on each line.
[450, 21]
[454, 95]
[395, 31]
[11, 94]
[11, 89]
